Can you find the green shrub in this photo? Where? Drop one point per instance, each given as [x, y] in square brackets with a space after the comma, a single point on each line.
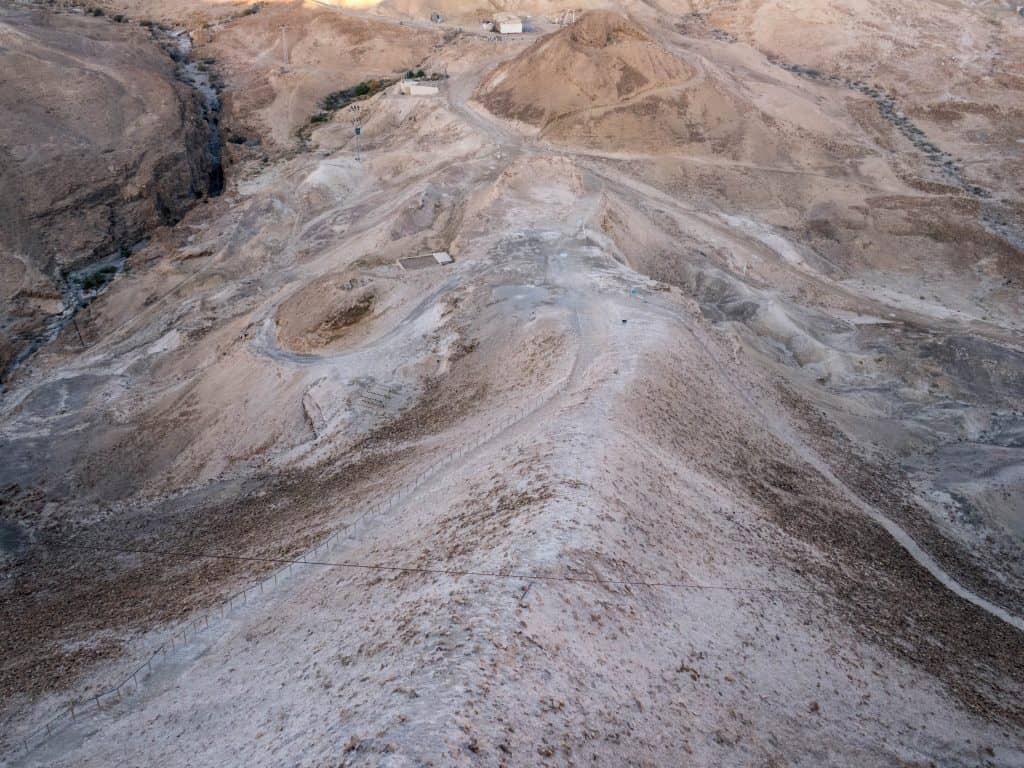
[332, 102]
[95, 280]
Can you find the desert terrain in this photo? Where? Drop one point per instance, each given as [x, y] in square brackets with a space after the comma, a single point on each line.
[704, 445]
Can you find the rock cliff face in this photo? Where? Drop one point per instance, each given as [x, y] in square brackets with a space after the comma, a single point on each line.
[99, 143]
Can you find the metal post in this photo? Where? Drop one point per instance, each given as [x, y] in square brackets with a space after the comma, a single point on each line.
[78, 330]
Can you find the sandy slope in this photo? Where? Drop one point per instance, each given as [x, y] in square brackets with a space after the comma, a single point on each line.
[693, 372]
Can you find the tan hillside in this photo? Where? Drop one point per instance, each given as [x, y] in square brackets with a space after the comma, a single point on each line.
[99, 144]
[601, 60]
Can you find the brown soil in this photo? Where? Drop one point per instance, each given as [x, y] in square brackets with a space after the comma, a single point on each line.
[600, 60]
[100, 145]
[323, 314]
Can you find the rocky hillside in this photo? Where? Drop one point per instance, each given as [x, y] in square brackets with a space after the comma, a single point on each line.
[98, 145]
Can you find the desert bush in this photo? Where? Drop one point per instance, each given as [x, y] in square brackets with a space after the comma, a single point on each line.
[97, 279]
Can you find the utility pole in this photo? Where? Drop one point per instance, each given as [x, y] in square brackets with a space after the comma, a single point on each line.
[78, 330]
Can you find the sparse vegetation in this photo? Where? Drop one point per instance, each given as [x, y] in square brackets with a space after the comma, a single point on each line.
[341, 99]
[96, 280]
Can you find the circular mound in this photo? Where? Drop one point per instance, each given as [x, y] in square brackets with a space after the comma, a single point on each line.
[330, 313]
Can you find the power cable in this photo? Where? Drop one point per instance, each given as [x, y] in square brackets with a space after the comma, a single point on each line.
[494, 575]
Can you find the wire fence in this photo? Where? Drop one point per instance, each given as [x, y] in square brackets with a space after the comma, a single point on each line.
[71, 713]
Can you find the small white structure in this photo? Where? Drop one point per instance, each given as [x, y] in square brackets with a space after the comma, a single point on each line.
[442, 257]
[508, 24]
[412, 88]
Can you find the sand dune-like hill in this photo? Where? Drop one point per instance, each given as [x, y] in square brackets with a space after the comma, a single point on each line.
[603, 59]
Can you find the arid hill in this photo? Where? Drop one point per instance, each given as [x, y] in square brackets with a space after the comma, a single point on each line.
[99, 143]
[601, 60]
[283, 60]
[705, 445]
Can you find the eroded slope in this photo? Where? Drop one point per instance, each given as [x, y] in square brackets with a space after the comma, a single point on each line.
[100, 144]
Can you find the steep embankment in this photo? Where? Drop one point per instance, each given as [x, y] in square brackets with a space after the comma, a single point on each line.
[99, 143]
